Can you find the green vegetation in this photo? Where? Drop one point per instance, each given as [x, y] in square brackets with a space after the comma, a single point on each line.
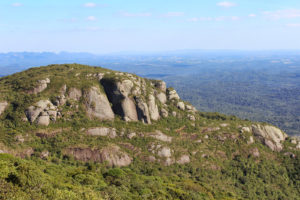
[222, 164]
[261, 92]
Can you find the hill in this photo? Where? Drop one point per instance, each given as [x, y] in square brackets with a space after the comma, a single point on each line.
[255, 85]
[79, 132]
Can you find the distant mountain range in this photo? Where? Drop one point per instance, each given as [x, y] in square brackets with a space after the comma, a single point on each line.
[17, 61]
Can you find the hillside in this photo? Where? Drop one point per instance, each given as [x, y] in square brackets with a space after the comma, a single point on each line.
[255, 85]
[80, 132]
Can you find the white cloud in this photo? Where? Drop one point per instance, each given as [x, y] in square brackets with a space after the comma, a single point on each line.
[252, 15]
[226, 4]
[90, 5]
[282, 14]
[145, 14]
[17, 4]
[174, 14]
[91, 18]
[293, 25]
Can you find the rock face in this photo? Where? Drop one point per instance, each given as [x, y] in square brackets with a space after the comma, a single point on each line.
[143, 111]
[111, 154]
[42, 85]
[270, 135]
[129, 110]
[161, 97]
[153, 109]
[172, 94]
[181, 105]
[128, 99]
[164, 113]
[3, 106]
[75, 94]
[115, 157]
[97, 105]
[126, 95]
[44, 119]
[118, 95]
[161, 85]
[42, 112]
[102, 131]
[61, 99]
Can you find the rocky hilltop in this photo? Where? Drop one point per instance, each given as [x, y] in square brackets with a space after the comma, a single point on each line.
[66, 114]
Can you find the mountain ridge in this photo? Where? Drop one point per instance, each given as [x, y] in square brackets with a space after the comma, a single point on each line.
[118, 125]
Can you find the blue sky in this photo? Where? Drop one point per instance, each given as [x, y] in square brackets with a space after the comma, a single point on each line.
[104, 26]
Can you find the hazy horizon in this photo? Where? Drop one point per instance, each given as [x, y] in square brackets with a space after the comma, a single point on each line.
[158, 51]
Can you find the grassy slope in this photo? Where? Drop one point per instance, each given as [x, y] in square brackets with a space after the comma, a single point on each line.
[219, 169]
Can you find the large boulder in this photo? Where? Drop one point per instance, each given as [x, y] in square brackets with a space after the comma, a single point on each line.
[161, 85]
[42, 112]
[97, 105]
[3, 106]
[44, 119]
[75, 94]
[270, 135]
[115, 157]
[42, 85]
[153, 108]
[110, 154]
[164, 152]
[191, 117]
[164, 113]
[102, 131]
[181, 105]
[172, 94]
[160, 136]
[161, 96]
[183, 160]
[33, 111]
[142, 110]
[61, 99]
[190, 108]
[129, 110]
